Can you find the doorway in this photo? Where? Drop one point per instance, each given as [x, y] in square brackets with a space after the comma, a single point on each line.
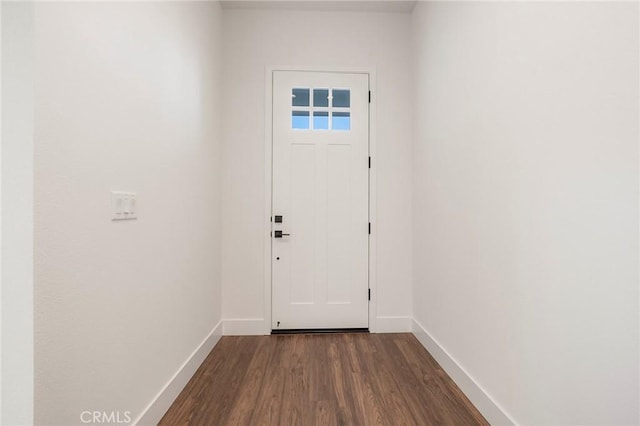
[320, 201]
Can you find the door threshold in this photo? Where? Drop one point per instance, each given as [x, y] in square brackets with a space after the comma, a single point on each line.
[320, 330]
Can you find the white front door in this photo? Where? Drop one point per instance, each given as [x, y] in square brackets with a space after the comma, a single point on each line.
[320, 222]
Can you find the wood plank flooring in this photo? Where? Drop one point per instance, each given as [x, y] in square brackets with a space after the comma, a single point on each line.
[321, 379]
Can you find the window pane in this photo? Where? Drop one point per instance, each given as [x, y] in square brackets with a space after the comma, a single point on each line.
[300, 119]
[341, 120]
[320, 97]
[341, 98]
[300, 97]
[320, 120]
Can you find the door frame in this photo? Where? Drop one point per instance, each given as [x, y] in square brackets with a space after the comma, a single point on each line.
[268, 184]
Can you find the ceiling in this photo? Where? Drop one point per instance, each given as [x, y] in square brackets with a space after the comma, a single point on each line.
[398, 6]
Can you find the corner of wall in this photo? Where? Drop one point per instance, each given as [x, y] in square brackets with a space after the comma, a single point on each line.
[393, 324]
[244, 327]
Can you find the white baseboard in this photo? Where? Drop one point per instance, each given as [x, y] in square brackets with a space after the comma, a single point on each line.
[153, 413]
[392, 325]
[244, 327]
[489, 408]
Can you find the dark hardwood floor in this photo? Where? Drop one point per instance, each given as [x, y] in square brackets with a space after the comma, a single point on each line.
[321, 379]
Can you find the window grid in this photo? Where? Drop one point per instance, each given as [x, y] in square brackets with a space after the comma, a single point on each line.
[306, 102]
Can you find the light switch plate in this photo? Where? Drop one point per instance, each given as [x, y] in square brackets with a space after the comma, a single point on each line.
[123, 205]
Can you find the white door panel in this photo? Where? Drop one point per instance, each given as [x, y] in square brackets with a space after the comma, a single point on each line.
[320, 188]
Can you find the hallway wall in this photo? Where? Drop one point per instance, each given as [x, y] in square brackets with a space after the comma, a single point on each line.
[526, 204]
[127, 98]
[256, 39]
[16, 228]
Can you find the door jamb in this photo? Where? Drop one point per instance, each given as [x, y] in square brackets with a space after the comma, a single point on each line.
[268, 188]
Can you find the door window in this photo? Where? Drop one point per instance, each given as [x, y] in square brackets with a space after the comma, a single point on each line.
[320, 109]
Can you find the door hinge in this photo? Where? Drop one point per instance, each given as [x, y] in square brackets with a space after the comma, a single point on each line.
[369, 294]
[369, 228]
[369, 96]
[369, 162]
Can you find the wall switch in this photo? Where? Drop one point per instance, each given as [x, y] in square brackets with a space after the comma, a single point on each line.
[123, 205]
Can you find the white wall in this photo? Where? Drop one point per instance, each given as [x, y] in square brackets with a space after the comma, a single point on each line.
[256, 39]
[17, 214]
[126, 99]
[526, 202]
[1, 26]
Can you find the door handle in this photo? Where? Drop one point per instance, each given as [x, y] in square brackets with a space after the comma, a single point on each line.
[279, 234]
